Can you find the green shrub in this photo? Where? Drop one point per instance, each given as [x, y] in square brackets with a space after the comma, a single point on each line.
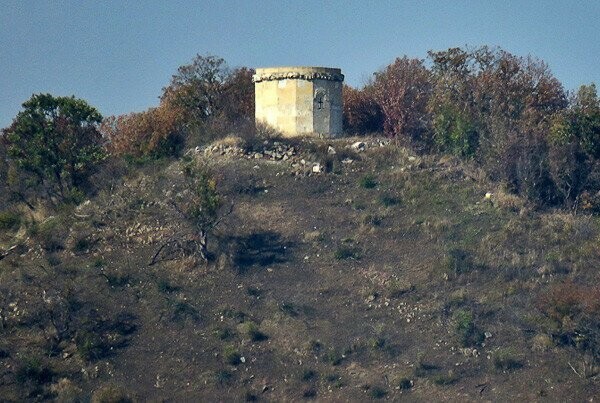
[309, 393]
[115, 280]
[308, 375]
[50, 233]
[333, 357]
[454, 132]
[506, 359]
[376, 343]
[457, 261]
[223, 376]
[368, 181]
[9, 220]
[377, 392]
[231, 355]
[224, 333]
[445, 379]
[82, 244]
[346, 252]
[388, 200]
[33, 370]
[289, 309]
[183, 310]
[90, 345]
[251, 330]
[465, 328]
[315, 346]
[54, 260]
[98, 263]
[372, 219]
[56, 141]
[405, 384]
[166, 287]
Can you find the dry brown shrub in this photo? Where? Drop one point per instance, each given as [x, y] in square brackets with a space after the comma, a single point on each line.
[566, 301]
[508, 201]
[362, 113]
[155, 132]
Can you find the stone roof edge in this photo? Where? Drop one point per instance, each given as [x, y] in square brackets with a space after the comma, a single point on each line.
[298, 75]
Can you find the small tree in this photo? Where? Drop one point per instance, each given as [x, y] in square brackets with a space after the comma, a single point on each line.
[402, 90]
[211, 95]
[200, 204]
[56, 141]
[197, 87]
[451, 105]
[204, 202]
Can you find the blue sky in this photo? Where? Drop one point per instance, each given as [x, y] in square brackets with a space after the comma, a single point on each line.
[118, 55]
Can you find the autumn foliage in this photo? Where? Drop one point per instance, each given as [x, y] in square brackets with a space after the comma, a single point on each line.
[402, 91]
[155, 132]
[505, 113]
[362, 113]
[204, 100]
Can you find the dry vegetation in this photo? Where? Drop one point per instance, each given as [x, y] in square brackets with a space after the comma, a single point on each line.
[139, 261]
[389, 277]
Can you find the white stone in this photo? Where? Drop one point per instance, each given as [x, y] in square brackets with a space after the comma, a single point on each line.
[359, 146]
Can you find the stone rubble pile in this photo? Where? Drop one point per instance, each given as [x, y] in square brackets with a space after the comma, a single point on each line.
[280, 152]
[274, 152]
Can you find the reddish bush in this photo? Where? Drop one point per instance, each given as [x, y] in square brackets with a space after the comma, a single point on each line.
[155, 132]
[362, 113]
[402, 90]
[574, 310]
[213, 98]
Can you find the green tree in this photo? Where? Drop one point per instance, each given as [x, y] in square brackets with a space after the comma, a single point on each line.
[575, 146]
[452, 104]
[202, 203]
[55, 140]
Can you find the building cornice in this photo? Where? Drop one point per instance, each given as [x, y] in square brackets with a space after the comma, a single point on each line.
[297, 75]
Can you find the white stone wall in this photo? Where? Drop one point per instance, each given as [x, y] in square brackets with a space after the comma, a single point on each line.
[300, 100]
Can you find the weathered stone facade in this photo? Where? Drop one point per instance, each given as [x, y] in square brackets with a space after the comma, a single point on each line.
[300, 100]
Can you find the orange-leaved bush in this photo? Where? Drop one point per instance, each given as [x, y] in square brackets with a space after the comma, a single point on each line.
[156, 132]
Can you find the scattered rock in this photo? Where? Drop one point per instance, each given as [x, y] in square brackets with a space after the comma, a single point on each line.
[317, 168]
[359, 146]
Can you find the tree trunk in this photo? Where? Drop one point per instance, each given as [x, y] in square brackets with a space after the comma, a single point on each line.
[202, 245]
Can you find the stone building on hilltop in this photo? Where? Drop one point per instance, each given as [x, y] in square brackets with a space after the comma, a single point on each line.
[300, 100]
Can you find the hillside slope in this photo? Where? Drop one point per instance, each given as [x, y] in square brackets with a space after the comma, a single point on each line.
[387, 276]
